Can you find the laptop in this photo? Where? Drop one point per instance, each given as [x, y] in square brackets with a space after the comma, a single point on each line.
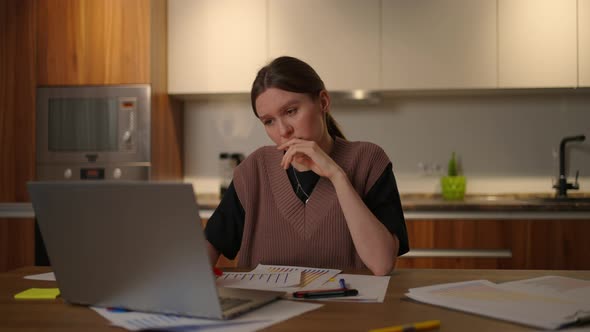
[134, 245]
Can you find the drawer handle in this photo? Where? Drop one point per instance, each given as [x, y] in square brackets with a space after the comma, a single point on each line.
[476, 253]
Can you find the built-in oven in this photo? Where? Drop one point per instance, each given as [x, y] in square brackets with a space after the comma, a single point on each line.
[93, 132]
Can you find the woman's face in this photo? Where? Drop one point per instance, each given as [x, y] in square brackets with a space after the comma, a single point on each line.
[287, 115]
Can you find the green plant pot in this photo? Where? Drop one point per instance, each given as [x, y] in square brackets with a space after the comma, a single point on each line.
[453, 187]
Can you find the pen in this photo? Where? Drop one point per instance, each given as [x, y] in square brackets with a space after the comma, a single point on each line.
[325, 293]
[421, 326]
[342, 284]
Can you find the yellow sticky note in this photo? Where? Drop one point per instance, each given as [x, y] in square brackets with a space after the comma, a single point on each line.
[38, 294]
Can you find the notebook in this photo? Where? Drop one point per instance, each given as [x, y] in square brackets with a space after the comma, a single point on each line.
[134, 245]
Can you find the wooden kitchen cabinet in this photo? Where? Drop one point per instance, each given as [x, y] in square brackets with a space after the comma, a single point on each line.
[84, 42]
[534, 244]
[584, 43]
[537, 44]
[557, 244]
[438, 44]
[109, 42]
[338, 38]
[215, 46]
[464, 238]
[76, 42]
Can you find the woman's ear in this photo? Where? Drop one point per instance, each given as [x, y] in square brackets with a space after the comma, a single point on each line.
[324, 101]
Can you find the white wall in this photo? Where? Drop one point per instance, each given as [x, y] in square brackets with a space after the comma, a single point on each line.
[506, 143]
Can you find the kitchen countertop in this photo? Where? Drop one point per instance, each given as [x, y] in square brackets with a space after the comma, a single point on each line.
[433, 202]
[424, 206]
[504, 206]
[504, 202]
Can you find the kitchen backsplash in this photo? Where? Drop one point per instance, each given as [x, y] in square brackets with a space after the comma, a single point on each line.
[505, 143]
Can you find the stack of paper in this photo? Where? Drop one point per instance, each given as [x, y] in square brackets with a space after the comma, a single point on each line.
[549, 302]
[253, 321]
[370, 288]
[272, 277]
[295, 278]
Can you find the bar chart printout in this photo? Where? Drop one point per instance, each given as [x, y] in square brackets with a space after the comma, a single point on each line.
[285, 278]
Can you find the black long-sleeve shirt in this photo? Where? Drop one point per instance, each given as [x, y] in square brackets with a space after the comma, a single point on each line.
[225, 227]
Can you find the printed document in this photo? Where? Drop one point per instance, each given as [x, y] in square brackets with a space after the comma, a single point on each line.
[371, 288]
[310, 278]
[573, 289]
[49, 276]
[272, 280]
[541, 303]
[265, 316]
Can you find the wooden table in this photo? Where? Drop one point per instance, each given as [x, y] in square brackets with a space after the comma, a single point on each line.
[56, 315]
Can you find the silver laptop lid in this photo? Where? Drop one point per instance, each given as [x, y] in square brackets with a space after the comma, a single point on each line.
[135, 245]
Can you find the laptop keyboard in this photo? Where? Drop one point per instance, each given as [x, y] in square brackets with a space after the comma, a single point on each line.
[231, 302]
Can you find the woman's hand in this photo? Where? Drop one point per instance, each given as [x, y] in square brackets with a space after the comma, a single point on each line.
[308, 155]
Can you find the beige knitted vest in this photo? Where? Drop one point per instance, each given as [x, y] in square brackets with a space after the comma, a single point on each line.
[280, 229]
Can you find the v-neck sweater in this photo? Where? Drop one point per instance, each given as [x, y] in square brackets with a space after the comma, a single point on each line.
[280, 229]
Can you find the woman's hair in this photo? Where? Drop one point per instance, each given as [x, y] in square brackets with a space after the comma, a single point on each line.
[293, 75]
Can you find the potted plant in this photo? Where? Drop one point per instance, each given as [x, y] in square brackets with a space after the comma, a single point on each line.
[453, 185]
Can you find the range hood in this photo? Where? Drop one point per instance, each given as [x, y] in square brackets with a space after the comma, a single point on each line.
[356, 97]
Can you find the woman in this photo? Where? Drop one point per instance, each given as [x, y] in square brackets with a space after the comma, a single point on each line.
[314, 199]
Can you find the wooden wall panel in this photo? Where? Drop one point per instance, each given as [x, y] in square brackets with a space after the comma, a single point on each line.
[93, 42]
[167, 113]
[17, 126]
[16, 243]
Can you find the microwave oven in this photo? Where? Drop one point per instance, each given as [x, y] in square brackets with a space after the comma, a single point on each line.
[93, 132]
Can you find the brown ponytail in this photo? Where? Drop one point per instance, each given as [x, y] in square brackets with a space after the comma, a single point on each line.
[333, 127]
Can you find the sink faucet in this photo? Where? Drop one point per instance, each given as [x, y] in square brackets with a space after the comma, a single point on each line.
[562, 185]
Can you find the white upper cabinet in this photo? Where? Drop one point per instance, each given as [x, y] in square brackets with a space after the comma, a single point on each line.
[439, 44]
[338, 38]
[537, 44]
[584, 42]
[215, 46]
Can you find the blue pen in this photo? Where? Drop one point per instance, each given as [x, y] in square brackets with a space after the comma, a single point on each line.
[342, 284]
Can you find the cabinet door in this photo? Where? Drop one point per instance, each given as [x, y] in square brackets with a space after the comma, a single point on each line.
[537, 44]
[584, 43]
[338, 38]
[461, 244]
[93, 42]
[215, 45]
[433, 44]
[557, 245]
